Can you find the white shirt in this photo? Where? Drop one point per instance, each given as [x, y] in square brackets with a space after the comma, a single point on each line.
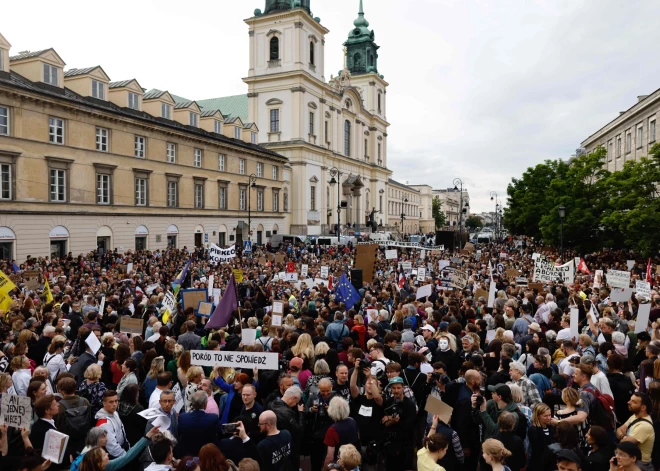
[55, 364]
[21, 379]
[154, 400]
[565, 366]
[378, 366]
[600, 381]
[565, 334]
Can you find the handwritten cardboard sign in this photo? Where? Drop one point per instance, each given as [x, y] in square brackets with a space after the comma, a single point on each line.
[131, 326]
[15, 411]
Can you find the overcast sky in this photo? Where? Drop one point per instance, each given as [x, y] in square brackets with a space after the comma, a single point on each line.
[479, 90]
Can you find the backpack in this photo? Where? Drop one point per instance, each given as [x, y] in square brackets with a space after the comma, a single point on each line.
[602, 410]
[521, 429]
[77, 420]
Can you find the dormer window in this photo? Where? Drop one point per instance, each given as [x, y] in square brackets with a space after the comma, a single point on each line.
[51, 75]
[166, 111]
[217, 126]
[237, 132]
[133, 101]
[98, 89]
[253, 137]
[194, 119]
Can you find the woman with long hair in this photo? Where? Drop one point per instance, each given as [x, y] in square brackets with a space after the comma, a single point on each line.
[212, 459]
[567, 439]
[572, 399]
[359, 331]
[492, 358]
[172, 365]
[54, 359]
[122, 353]
[304, 348]
[37, 389]
[157, 367]
[128, 410]
[541, 435]
[135, 344]
[183, 365]
[495, 454]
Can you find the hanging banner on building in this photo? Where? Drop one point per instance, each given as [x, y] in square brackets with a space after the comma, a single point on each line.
[218, 255]
[247, 360]
[548, 271]
[618, 279]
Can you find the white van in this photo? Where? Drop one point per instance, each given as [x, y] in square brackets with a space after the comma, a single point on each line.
[379, 236]
[277, 239]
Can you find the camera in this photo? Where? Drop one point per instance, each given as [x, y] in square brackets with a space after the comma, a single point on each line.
[479, 400]
[229, 428]
[396, 408]
[365, 364]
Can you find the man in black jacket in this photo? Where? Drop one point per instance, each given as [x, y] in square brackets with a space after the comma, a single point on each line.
[288, 411]
[80, 366]
[76, 318]
[46, 409]
[461, 419]
[399, 421]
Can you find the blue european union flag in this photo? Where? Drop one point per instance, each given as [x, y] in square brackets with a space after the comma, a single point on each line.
[15, 268]
[346, 293]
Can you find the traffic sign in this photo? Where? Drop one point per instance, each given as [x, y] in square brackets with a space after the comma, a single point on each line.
[247, 246]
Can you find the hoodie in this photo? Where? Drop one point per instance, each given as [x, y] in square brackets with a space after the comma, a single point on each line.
[489, 417]
[112, 424]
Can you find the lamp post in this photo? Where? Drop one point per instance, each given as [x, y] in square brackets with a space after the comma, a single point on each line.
[252, 183]
[458, 185]
[493, 197]
[403, 215]
[334, 172]
[562, 215]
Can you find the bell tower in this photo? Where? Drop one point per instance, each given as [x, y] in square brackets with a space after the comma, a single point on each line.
[361, 49]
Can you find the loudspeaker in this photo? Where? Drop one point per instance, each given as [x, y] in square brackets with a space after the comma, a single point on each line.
[356, 278]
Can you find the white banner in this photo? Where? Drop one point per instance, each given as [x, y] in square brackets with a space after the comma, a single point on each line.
[391, 255]
[303, 271]
[217, 255]
[404, 245]
[247, 360]
[618, 279]
[643, 289]
[547, 271]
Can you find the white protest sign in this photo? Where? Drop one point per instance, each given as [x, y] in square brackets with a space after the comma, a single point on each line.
[291, 277]
[303, 271]
[129, 268]
[491, 294]
[422, 254]
[630, 264]
[93, 343]
[247, 360]
[178, 398]
[424, 291]
[249, 336]
[548, 271]
[210, 287]
[503, 255]
[151, 288]
[149, 414]
[443, 264]
[621, 295]
[642, 323]
[216, 295]
[372, 315]
[421, 273]
[535, 256]
[592, 314]
[54, 448]
[618, 279]
[217, 255]
[575, 331]
[643, 289]
[598, 278]
[459, 279]
[407, 266]
[278, 307]
[15, 411]
[490, 335]
[281, 275]
[276, 320]
[102, 306]
[577, 261]
[324, 272]
[391, 254]
[169, 302]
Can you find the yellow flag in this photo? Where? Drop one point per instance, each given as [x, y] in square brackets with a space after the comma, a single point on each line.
[166, 317]
[48, 293]
[6, 285]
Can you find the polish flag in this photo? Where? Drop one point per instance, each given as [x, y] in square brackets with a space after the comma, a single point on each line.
[402, 280]
[330, 282]
[582, 266]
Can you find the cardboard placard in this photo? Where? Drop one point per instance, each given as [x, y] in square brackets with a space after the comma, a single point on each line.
[279, 258]
[204, 309]
[435, 406]
[465, 253]
[278, 307]
[263, 261]
[192, 298]
[129, 325]
[15, 411]
[304, 269]
[618, 278]
[30, 274]
[276, 320]
[536, 286]
[238, 275]
[236, 360]
[32, 284]
[469, 246]
[481, 293]
[512, 273]
[643, 289]
[54, 448]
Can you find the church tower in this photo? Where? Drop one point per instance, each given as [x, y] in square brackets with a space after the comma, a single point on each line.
[361, 49]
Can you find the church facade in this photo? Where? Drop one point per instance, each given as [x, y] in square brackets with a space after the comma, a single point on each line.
[334, 132]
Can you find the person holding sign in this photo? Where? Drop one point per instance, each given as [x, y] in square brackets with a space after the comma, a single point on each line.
[46, 409]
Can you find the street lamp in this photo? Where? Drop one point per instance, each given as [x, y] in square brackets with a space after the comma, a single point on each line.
[459, 183]
[403, 215]
[562, 215]
[252, 183]
[334, 172]
[493, 197]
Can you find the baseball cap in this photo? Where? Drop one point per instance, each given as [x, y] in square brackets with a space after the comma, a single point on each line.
[644, 336]
[569, 455]
[588, 360]
[396, 380]
[534, 326]
[429, 327]
[297, 362]
[501, 389]
[443, 325]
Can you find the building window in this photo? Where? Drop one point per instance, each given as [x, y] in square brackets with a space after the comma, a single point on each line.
[253, 137]
[199, 196]
[102, 189]
[217, 126]
[241, 166]
[56, 130]
[312, 198]
[628, 141]
[380, 160]
[311, 52]
[610, 151]
[274, 48]
[325, 131]
[102, 139]
[311, 123]
[285, 201]
[140, 191]
[172, 190]
[5, 181]
[140, 147]
[260, 200]
[618, 147]
[275, 176]
[221, 162]
[237, 132]
[640, 137]
[98, 89]
[133, 101]
[260, 169]
[366, 149]
[222, 197]
[651, 128]
[166, 111]
[241, 199]
[274, 120]
[347, 138]
[276, 201]
[4, 120]
[194, 119]
[50, 74]
[380, 204]
[57, 185]
[379, 95]
[198, 158]
[171, 153]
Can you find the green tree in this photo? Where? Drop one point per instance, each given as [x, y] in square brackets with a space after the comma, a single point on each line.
[473, 222]
[438, 214]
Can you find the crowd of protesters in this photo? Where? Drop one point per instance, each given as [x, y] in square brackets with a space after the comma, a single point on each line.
[354, 381]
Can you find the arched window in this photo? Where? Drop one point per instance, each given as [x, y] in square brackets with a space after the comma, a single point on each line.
[371, 59]
[285, 201]
[311, 52]
[379, 95]
[347, 138]
[357, 62]
[274, 48]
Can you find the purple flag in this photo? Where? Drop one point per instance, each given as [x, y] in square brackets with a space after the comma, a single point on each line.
[227, 305]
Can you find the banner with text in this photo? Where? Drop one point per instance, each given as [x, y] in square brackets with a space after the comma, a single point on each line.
[548, 271]
[618, 278]
[247, 360]
[218, 255]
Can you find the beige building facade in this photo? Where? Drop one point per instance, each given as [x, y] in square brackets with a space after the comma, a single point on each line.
[630, 135]
[88, 163]
[403, 200]
[426, 221]
[451, 202]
